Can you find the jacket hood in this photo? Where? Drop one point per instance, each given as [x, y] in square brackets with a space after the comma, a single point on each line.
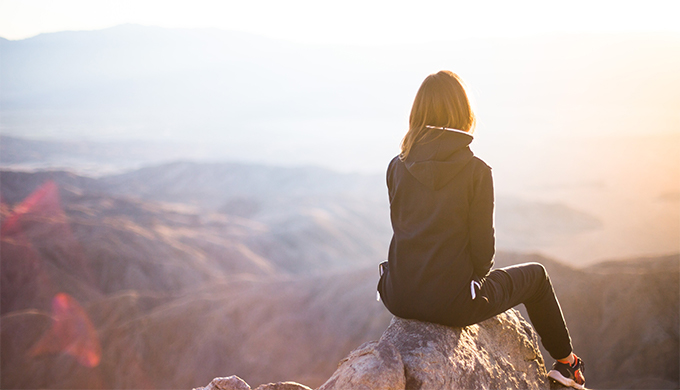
[439, 157]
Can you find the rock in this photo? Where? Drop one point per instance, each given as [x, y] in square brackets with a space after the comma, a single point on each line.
[235, 383]
[374, 365]
[501, 352]
[228, 383]
[283, 386]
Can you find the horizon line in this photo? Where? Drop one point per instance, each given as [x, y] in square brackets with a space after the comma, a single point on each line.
[482, 37]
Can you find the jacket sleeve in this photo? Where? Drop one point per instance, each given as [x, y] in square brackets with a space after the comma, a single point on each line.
[390, 177]
[482, 240]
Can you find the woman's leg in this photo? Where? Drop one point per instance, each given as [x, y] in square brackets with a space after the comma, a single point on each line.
[528, 284]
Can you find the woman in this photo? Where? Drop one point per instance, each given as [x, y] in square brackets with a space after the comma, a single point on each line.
[441, 253]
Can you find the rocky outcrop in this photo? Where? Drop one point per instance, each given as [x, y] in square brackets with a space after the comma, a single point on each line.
[235, 383]
[146, 273]
[499, 353]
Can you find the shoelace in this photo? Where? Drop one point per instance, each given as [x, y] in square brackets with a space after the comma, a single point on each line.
[580, 371]
[580, 364]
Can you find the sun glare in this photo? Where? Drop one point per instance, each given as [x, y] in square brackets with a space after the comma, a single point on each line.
[347, 22]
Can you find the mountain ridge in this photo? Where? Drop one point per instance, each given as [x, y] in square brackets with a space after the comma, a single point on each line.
[229, 291]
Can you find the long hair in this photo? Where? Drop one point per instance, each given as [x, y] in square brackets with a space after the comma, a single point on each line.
[441, 101]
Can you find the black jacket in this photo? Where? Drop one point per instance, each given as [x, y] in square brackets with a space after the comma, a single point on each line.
[441, 206]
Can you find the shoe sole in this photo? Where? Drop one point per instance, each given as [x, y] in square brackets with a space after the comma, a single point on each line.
[557, 376]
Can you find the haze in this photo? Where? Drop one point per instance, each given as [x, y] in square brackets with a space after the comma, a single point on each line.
[197, 189]
[347, 22]
[574, 108]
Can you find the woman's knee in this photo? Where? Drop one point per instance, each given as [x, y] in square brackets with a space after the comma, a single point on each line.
[539, 269]
[536, 270]
[541, 275]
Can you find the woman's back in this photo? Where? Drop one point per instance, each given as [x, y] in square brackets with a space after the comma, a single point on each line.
[432, 195]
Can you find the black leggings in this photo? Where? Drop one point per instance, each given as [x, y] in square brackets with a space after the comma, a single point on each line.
[529, 284]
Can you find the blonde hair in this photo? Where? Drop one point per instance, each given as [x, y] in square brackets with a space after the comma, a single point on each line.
[441, 101]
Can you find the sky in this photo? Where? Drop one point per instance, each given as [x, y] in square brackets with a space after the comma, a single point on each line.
[353, 22]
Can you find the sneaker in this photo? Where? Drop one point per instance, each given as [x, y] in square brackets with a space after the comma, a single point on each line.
[568, 375]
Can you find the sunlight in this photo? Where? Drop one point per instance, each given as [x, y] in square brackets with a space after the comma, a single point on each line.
[198, 189]
[347, 22]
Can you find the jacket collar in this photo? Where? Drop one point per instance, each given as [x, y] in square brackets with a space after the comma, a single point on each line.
[439, 156]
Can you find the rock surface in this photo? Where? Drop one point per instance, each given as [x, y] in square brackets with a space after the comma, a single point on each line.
[499, 353]
[235, 383]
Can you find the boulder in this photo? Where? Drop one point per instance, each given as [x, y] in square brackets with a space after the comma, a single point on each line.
[235, 383]
[499, 353]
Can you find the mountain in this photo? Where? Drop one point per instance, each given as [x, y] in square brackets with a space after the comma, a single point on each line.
[164, 294]
[243, 97]
[585, 165]
[622, 316]
[88, 157]
[312, 217]
[168, 81]
[266, 328]
[275, 329]
[293, 218]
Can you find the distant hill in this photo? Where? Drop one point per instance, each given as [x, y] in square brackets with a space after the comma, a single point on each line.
[136, 82]
[622, 316]
[258, 99]
[179, 293]
[94, 158]
[275, 328]
[585, 165]
[219, 209]
[314, 218]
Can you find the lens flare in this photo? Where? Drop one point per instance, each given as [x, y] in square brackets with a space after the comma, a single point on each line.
[71, 332]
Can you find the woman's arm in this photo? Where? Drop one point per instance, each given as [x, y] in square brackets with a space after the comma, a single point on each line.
[482, 240]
